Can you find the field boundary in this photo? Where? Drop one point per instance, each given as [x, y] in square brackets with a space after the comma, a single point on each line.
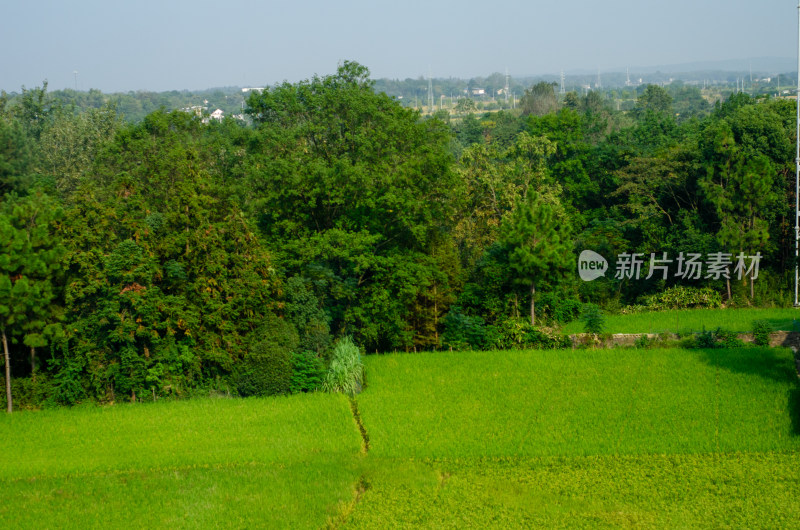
[787, 339]
[360, 425]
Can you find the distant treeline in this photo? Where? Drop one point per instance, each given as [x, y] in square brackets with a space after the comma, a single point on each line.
[493, 92]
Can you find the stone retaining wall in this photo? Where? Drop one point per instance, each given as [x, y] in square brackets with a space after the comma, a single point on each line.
[790, 339]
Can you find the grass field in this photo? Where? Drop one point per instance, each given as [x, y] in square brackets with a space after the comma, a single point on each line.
[587, 439]
[606, 438]
[286, 462]
[689, 321]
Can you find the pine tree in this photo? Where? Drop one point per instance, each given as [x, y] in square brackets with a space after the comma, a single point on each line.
[30, 256]
[537, 243]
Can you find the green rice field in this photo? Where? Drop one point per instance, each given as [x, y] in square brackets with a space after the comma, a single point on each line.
[587, 439]
[657, 438]
[237, 463]
[687, 321]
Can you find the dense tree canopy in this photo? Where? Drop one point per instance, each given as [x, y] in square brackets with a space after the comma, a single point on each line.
[174, 256]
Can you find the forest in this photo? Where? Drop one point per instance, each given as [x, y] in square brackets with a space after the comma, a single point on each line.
[169, 256]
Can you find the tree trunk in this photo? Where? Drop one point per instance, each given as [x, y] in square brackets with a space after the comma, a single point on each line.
[33, 364]
[8, 373]
[728, 283]
[533, 306]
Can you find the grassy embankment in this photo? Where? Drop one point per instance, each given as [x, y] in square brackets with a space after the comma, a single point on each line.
[689, 321]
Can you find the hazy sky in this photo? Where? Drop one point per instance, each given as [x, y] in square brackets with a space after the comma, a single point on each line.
[177, 44]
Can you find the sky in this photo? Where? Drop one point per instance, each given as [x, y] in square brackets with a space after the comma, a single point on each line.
[180, 44]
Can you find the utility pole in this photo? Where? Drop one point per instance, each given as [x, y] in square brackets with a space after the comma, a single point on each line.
[797, 174]
[430, 92]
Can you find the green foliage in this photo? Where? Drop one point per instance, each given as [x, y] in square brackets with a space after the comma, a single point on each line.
[69, 378]
[538, 244]
[684, 297]
[467, 332]
[308, 372]
[304, 309]
[30, 393]
[561, 308]
[70, 144]
[593, 319]
[540, 99]
[518, 333]
[653, 99]
[718, 338]
[342, 212]
[15, 157]
[352, 191]
[346, 371]
[761, 330]
[30, 274]
[267, 369]
[167, 282]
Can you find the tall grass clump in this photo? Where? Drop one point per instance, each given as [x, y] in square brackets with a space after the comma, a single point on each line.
[346, 371]
[593, 320]
[761, 330]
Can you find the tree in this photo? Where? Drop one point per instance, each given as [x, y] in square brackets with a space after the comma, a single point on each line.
[15, 157]
[36, 109]
[653, 99]
[465, 106]
[71, 143]
[740, 187]
[540, 99]
[353, 191]
[168, 283]
[30, 262]
[538, 244]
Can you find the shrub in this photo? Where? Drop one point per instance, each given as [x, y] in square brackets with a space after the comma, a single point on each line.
[728, 339]
[560, 307]
[682, 297]
[518, 333]
[267, 367]
[593, 319]
[308, 372]
[761, 331]
[705, 339]
[719, 338]
[346, 372]
[463, 332]
[266, 371]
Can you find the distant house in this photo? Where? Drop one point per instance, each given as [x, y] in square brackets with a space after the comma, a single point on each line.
[197, 110]
[216, 115]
